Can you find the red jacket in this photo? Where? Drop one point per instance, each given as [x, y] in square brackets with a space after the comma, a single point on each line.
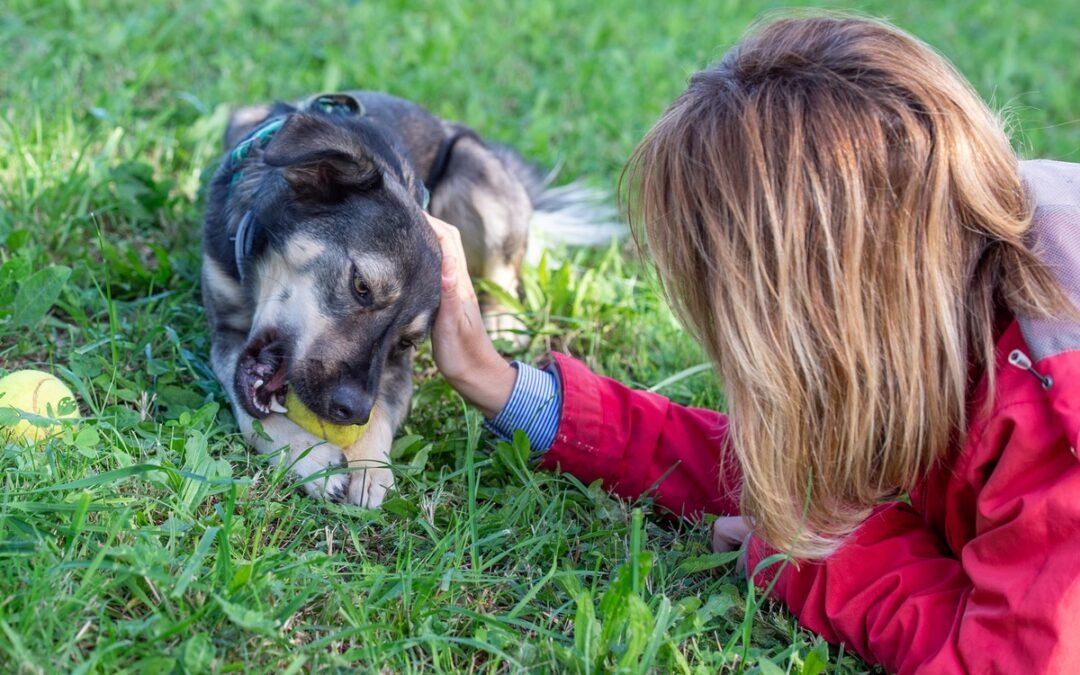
[980, 573]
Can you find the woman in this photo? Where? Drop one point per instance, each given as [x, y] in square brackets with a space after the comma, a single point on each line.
[888, 297]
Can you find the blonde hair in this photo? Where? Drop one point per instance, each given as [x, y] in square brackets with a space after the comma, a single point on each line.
[837, 217]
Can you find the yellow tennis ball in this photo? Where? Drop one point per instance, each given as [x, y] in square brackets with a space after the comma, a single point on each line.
[341, 435]
[32, 391]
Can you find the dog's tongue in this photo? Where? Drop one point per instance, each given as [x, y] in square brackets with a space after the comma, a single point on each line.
[277, 381]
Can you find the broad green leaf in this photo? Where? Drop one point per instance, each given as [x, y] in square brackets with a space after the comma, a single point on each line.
[767, 667]
[86, 442]
[248, 618]
[38, 293]
[586, 628]
[198, 654]
[639, 624]
[700, 563]
[104, 478]
[195, 561]
[664, 618]
[817, 660]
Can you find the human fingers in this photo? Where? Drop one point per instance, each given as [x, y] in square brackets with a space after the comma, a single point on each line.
[728, 533]
[455, 271]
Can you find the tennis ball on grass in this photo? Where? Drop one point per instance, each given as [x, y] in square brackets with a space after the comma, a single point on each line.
[341, 435]
[38, 393]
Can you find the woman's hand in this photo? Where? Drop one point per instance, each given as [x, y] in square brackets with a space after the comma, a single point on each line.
[462, 349]
[728, 534]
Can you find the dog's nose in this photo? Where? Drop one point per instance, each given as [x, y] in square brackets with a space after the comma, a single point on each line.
[350, 404]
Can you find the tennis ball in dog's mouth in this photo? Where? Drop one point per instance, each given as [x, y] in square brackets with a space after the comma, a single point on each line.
[38, 393]
[341, 435]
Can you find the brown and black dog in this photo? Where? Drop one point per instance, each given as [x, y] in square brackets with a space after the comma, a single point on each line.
[321, 274]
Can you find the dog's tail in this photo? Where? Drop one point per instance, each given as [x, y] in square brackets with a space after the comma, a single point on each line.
[573, 214]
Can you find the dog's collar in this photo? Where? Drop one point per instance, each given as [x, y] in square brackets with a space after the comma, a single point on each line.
[243, 243]
[244, 238]
[441, 163]
[260, 136]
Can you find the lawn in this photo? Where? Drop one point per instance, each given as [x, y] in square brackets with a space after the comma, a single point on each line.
[150, 540]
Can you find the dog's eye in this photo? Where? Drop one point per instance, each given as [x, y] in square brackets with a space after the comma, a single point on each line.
[360, 288]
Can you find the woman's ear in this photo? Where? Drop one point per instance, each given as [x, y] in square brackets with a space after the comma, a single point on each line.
[320, 161]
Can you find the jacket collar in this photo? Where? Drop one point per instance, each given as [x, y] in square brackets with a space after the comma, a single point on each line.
[1054, 344]
[1055, 228]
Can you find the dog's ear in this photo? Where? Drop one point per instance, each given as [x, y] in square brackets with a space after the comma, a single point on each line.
[320, 161]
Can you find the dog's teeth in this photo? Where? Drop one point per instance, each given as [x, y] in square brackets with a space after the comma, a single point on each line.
[258, 383]
[276, 406]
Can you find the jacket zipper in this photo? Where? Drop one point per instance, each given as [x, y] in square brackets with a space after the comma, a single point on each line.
[1021, 361]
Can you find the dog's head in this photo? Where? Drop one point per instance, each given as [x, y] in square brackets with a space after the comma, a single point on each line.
[344, 270]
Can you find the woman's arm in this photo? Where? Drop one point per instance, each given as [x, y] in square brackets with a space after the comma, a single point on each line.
[636, 442]
[639, 442]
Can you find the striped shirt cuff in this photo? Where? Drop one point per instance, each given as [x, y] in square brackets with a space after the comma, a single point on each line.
[535, 407]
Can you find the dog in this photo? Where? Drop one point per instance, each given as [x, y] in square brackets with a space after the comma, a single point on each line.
[321, 274]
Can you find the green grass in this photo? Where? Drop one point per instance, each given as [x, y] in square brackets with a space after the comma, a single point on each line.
[150, 540]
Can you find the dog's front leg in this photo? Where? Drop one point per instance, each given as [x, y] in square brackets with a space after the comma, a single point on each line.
[305, 454]
[369, 462]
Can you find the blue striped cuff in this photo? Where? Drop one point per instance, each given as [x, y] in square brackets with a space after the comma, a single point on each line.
[535, 407]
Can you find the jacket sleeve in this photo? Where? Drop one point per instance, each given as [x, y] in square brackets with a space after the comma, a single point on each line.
[638, 442]
[892, 593]
[896, 594]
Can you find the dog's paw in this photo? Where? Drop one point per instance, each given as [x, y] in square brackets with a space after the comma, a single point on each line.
[332, 488]
[322, 459]
[368, 486]
[309, 458]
